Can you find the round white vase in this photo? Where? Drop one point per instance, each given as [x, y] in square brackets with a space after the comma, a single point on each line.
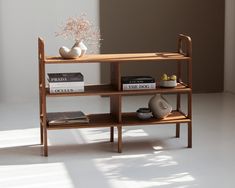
[70, 53]
[159, 106]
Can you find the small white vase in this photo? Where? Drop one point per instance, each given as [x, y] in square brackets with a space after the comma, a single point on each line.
[159, 106]
[83, 48]
[70, 53]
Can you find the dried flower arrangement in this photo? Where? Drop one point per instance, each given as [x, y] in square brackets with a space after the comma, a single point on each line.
[81, 30]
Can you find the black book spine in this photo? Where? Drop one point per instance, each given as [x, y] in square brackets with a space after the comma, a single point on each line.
[65, 77]
[137, 81]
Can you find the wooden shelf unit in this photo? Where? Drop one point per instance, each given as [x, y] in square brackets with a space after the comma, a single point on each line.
[115, 118]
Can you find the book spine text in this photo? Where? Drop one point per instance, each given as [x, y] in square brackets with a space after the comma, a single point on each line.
[141, 86]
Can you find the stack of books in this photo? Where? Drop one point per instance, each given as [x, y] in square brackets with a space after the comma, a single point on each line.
[65, 82]
[138, 82]
[56, 118]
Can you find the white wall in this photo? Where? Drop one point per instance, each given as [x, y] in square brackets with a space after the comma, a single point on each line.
[229, 79]
[21, 22]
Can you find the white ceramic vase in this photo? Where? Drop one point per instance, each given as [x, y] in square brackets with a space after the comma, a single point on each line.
[78, 50]
[83, 48]
[159, 106]
[70, 53]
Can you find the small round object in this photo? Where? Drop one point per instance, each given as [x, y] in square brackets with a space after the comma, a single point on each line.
[144, 113]
[168, 83]
[173, 77]
[164, 77]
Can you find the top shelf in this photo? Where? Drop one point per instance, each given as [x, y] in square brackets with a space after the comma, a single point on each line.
[105, 58]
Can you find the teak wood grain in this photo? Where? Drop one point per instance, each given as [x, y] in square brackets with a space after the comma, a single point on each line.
[116, 118]
[119, 58]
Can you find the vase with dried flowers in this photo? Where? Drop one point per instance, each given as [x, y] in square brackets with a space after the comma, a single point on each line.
[81, 31]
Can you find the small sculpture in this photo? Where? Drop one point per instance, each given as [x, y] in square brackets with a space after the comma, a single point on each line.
[79, 49]
[159, 106]
[83, 48]
[70, 53]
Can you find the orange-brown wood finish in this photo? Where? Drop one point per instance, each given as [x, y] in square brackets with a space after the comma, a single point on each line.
[115, 102]
[185, 48]
[115, 118]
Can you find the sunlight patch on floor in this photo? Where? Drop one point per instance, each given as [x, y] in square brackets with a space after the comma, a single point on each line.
[19, 137]
[135, 133]
[35, 176]
[119, 171]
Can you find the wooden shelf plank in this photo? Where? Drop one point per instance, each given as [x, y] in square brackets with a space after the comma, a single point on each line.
[104, 58]
[108, 90]
[95, 120]
[91, 90]
[128, 119]
[180, 88]
[131, 118]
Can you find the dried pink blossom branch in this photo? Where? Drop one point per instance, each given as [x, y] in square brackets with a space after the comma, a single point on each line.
[80, 29]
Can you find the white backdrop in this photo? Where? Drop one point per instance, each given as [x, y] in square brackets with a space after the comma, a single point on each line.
[21, 22]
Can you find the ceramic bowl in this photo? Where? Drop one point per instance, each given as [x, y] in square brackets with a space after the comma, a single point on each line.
[168, 83]
[144, 113]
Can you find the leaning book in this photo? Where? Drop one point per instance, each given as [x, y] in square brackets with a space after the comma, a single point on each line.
[57, 118]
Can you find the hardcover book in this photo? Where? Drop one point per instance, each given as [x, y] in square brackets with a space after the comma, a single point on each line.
[65, 77]
[137, 79]
[55, 118]
[66, 89]
[139, 86]
[65, 84]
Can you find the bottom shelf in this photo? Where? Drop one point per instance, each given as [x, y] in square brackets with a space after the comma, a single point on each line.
[95, 120]
[128, 119]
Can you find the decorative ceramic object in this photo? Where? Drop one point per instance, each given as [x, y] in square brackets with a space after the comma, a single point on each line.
[83, 48]
[144, 113]
[159, 106]
[70, 53]
[167, 81]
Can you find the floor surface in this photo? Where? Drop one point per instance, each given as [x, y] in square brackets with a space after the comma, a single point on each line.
[152, 156]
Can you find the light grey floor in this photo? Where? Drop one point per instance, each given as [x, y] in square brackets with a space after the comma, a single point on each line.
[152, 156]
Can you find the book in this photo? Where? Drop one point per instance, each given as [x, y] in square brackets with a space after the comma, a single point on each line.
[65, 84]
[137, 79]
[139, 86]
[66, 89]
[55, 118]
[65, 77]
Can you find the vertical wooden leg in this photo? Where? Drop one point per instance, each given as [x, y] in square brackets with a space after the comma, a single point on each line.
[190, 135]
[41, 134]
[119, 139]
[177, 135]
[111, 134]
[45, 148]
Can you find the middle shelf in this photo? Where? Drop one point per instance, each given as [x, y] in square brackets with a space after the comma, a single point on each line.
[107, 90]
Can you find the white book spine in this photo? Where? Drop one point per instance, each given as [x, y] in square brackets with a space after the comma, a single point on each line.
[66, 89]
[141, 86]
[66, 84]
